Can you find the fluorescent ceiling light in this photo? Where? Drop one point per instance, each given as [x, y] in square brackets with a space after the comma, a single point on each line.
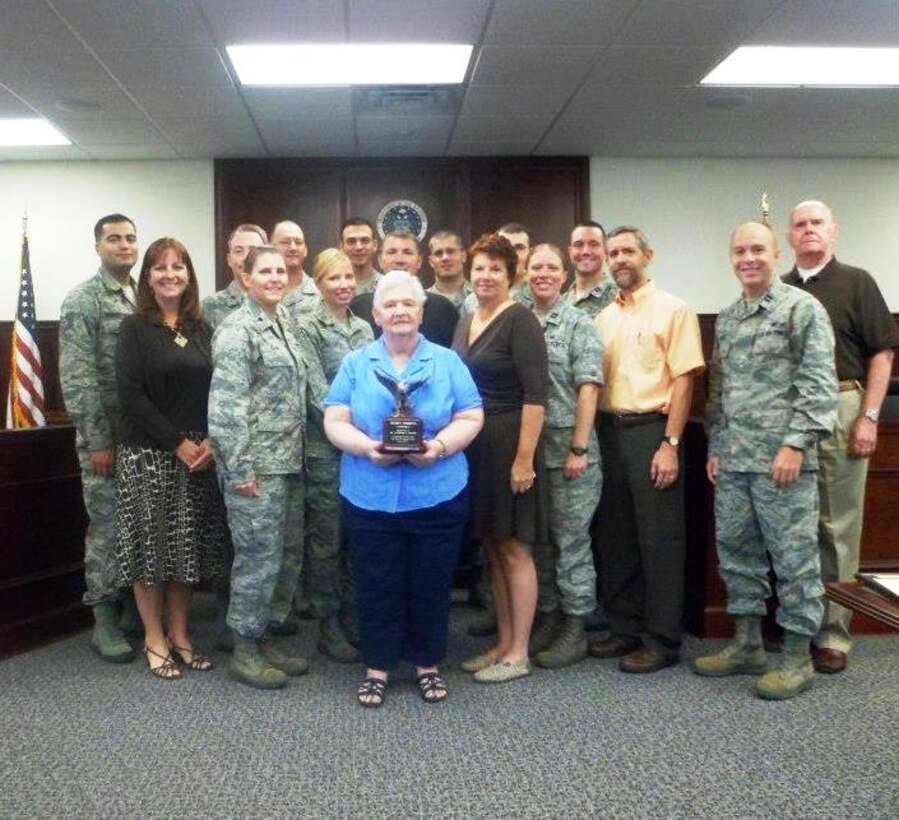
[350, 64]
[18, 132]
[807, 66]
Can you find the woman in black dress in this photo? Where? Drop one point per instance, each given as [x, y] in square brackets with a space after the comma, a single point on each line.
[502, 343]
[171, 530]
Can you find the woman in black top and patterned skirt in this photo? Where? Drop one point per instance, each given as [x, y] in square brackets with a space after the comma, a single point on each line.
[503, 345]
[171, 528]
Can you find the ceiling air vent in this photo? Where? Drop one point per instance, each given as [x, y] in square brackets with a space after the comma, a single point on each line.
[407, 101]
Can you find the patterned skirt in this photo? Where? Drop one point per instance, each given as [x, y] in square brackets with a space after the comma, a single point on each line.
[170, 523]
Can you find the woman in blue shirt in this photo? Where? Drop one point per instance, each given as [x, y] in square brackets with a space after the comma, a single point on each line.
[404, 515]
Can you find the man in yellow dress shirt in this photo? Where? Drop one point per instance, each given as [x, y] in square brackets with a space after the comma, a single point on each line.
[653, 352]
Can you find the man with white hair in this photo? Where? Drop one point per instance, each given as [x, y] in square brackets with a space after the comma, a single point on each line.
[865, 338]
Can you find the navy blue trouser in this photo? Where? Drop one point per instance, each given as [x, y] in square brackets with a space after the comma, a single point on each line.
[404, 564]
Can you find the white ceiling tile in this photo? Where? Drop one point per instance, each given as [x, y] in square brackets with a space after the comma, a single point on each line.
[280, 132]
[187, 128]
[192, 136]
[424, 21]
[831, 22]
[560, 22]
[27, 22]
[493, 129]
[709, 22]
[275, 21]
[658, 66]
[298, 103]
[609, 76]
[30, 63]
[509, 148]
[12, 106]
[175, 69]
[401, 148]
[214, 102]
[137, 24]
[502, 100]
[52, 153]
[331, 146]
[533, 65]
[79, 101]
[403, 129]
[132, 152]
[103, 132]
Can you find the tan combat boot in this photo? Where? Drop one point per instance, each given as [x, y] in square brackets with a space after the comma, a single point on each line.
[795, 673]
[744, 655]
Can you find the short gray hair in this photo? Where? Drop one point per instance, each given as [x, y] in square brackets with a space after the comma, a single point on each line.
[397, 279]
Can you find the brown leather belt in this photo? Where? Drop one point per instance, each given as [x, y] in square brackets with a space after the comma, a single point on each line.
[850, 384]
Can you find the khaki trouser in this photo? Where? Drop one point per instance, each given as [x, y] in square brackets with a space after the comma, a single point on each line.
[841, 486]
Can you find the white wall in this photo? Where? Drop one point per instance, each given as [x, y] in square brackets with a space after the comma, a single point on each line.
[65, 199]
[688, 207]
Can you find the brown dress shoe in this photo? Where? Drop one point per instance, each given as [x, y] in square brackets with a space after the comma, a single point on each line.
[645, 660]
[829, 661]
[613, 647]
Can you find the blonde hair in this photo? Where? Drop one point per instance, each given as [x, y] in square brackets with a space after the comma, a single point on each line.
[326, 260]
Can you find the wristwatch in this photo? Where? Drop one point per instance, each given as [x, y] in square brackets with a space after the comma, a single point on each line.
[672, 440]
[577, 451]
[871, 415]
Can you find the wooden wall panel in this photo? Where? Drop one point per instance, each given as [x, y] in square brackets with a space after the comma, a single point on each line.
[42, 524]
[469, 195]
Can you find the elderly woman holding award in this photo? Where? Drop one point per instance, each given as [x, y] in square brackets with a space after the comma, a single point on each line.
[402, 410]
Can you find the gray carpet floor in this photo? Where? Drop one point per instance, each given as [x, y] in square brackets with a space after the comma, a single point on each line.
[82, 738]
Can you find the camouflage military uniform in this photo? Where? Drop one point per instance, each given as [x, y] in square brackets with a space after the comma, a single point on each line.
[370, 285]
[88, 333]
[457, 299]
[257, 417]
[329, 341]
[575, 358]
[772, 383]
[221, 304]
[301, 300]
[593, 302]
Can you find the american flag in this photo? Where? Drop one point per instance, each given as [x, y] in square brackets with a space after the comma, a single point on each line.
[25, 407]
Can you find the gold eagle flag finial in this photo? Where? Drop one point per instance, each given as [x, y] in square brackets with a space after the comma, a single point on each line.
[765, 207]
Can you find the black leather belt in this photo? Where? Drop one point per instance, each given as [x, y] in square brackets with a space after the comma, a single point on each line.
[632, 419]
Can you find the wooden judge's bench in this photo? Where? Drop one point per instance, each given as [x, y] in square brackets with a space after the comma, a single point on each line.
[42, 518]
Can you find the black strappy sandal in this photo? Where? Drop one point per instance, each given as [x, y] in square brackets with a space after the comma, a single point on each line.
[372, 693]
[431, 687]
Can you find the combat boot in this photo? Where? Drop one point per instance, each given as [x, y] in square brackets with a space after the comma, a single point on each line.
[292, 665]
[795, 673]
[107, 639]
[248, 666]
[744, 655]
[569, 646]
[224, 641]
[548, 626]
[483, 623]
[129, 619]
[334, 643]
[282, 629]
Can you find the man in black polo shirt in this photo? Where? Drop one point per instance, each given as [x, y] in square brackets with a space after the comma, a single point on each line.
[399, 251]
[865, 337]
